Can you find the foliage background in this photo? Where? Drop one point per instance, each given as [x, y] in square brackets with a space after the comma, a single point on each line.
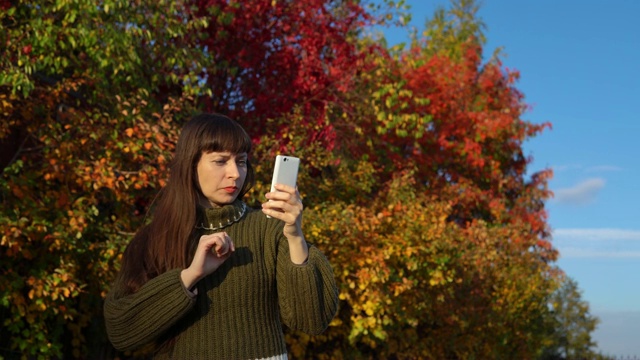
[414, 178]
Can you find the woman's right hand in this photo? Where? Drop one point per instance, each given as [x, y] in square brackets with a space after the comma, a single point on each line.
[213, 250]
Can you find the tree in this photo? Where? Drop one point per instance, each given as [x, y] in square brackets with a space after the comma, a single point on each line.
[443, 247]
[84, 133]
[454, 124]
[572, 325]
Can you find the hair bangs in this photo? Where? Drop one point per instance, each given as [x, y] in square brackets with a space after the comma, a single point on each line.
[225, 135]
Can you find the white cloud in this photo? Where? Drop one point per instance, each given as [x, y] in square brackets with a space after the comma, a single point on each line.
[573, 252]
[603, 168]
[597, 243]
[598, 234]
[580, 194]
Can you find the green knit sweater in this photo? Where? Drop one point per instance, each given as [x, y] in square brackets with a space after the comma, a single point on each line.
[237, 311]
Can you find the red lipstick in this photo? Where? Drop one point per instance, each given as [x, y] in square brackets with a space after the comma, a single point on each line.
[230, 189]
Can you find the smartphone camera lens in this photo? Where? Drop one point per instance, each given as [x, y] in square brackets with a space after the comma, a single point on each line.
[285, 159]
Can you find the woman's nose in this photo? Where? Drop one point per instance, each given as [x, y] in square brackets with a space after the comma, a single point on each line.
[232, 170]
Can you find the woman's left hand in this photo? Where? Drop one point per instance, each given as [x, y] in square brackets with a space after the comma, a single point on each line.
[285, 204]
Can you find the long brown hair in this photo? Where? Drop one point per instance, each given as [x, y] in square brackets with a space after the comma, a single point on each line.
[164, 244]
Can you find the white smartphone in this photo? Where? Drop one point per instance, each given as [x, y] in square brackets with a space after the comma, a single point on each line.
[285, 171]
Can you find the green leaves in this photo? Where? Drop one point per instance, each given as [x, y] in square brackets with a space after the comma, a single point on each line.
[72, 78]
[78, 38]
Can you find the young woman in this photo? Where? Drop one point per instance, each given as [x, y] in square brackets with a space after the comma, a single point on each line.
[211, 278]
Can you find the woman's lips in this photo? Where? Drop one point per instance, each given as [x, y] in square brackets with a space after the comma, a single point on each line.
[230, 189]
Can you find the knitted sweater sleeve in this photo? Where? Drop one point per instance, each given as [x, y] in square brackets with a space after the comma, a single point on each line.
[307, 293]
[138, 319]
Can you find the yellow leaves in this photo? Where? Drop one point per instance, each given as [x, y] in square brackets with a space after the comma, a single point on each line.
[6, 106]
[15, 232]
[370, 307]
[400, 287]
[437, 278]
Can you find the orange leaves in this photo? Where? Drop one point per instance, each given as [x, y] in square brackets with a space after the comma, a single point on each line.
[67, 203]
[76, 224]
[48, 293]
[404, 264]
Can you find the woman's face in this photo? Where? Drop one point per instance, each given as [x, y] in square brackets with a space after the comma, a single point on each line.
[221, 176]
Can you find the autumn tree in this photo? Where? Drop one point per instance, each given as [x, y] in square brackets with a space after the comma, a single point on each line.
[88, 98]
[572, 325]
[448, 253]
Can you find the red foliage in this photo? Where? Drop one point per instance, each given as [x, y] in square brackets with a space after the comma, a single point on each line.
[5, 5]
[297, 49]
[470, 153]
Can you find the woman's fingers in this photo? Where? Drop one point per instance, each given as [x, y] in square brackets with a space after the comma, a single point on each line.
[282, 210]
[285, 199]
[213, 250]
[219, 243]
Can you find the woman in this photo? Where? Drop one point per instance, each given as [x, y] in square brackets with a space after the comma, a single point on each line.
[211, 278]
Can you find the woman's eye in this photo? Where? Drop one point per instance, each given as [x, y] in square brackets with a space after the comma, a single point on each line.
[242, 162]
[219, 162]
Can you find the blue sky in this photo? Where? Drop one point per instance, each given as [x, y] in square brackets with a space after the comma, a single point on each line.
[579, 62]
